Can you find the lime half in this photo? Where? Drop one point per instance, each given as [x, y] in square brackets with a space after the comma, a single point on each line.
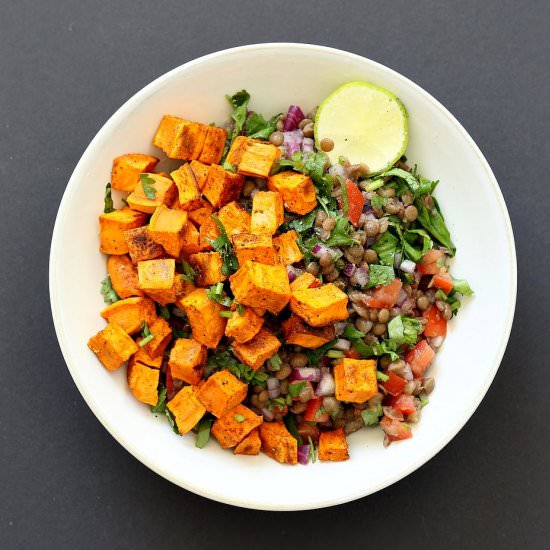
[367, 124]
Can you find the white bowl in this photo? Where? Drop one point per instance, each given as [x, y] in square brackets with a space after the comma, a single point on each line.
[277, 75]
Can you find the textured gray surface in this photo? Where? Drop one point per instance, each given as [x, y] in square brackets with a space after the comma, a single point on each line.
[66, 66]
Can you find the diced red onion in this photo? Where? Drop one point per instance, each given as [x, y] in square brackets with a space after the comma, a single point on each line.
[319, 249]
[407, 266]
[402, 296]
[436, 341]
[291, 272]
[326, 385]
[342, 344]
[401, 369]
[390, 412]
[292, 142]
[349, 270]
[338, 170]
[309, 374]
[303, 454]
[268, 415]
[307, 145]
[339, 328]
[273, 387]
[361, 277]
[293, 117]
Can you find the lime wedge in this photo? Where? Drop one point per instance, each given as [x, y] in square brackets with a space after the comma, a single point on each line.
[367, 124]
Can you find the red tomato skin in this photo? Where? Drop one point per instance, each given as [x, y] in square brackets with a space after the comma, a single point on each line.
[420, 358]
[356, 201]
[443, 281]
[352, 354]
[385, 296]
[394, 384]
[395, 430]
[430, 262]
[404, 404]
[313, 406]
[436, 324]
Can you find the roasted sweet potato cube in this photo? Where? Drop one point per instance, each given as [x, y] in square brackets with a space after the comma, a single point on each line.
[260, 285]
[113, 346]
[267, 212]
[165, 228]
[112, 227]
[320, 306]
[201, 214]
[123, 274]
[296, 189]
[257, 351]
[186, 408]
[208, 268]
[237, 148]
[163, 189]
[235, 219]
[130, 313]
[333, 445]
[156, 274]
[171, 295]
[278, 443]
[127, 168]
[286, 245]
[221, 186]
[140, 246]
[207, 325]
[190, 239]
[235, 425]
[296, 332]
[243, 327]
[305, 280]
[222, 392]
[250, 445]
[214, 144]
[208, 232]
[189, 195]
[257, 159]
[187, 359]
[166, 132]
[162, 333]
[258, 248]
[143, 382]
[200, 172]
[189, 141]
[141, 356]
[355, 380]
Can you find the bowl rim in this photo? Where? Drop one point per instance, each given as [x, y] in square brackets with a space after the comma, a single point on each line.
[127, 443]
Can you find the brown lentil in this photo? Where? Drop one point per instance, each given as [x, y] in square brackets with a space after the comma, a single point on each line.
[280, 125]
[447, 312]
[320, 218]
[393, 206]
[372, 227]
[308, 130]
[263, 396]
[407, 198]
[363, 325]
[411, 213]
[332, 275]
[373, 315]
[327, 145]
[258, 389]
[329, 223]
[379, 329]
[370, 256]
[298, 407]
[283, 372]
[384, 224]
[440, 305]
[283, 387]
[422, 303]
[387, 192]
[313, 268]
[303, 122]
[277, 138]
[299, 360]
[384, 315]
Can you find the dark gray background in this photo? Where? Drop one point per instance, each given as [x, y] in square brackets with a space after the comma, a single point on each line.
[65, 67]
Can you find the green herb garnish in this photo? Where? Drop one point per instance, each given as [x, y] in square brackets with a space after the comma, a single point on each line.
[224, 360]
[203, 432]
[216, 294]
[380, 275]
[294, 388]
[257, 127]
[108, 292]
[146, 334]
[239, 418]
[147, 182]
[372, 417]
[108, 200]
[223, 245]
[188, 272]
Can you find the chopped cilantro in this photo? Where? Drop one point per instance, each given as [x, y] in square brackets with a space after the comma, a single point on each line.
[314, 355]
[290, 423]
[147, 182]
[380, 275]
[160, 408]
[374, 185]
[378, 202]
[223, 245]
[335, 354]
[312, 454]
[224, 360]
[381, 376]
[108, 200]
[164, 312]
[108, 292]
[226, 314]
[275, 362]
[294, 388]
[404, 330]
[461, 286]
[344, 189]
[386, 247]
[216, 294]
[340, 235]
[146, 334]
[258, 128]
[188, 272]
[372, 416]
[239, 418]
[203, 432]
[239, 102]
[432, 221]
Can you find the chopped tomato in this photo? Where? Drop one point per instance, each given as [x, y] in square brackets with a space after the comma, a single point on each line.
[420, 358]
[315, 284]
[352, 354]
[385, 296]
[443, 281]
[436, 324]
[356, 201]
[404, 404]
[394, 384]
[432, 262]
[315, 411]
[395, 430]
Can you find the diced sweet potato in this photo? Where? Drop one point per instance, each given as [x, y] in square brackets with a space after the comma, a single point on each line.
[140, 246]
[250, 445]
[355, 380]
[234, 219]
[207, 325]
[333, 445]
[222, 392]
[297, 190]
[113, 346]
[171, 295]
[201, 214]
[208, 268]
[214, 145]
[164, 193]
[243, 327]
[123, 274]
[130, 313]
[189, 140]
[305, 280]
[143, 382]
[162, 335]
[186, 408]
[187, 359]
[208, 232]
[127, 168]
[200, 171]
[141, 356]
[166, 132]
[263, 286]
[189, 195]
[320, 306]
[237, 148]
[296, 332]
[165, 228]
[267, 212]
[278, 443]
[156, 274]
[190, 239]
[235, 425]
[257, 159]
[286, 245]
[258, 350]
[258, 248]
[221, 186]
[112, 227]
